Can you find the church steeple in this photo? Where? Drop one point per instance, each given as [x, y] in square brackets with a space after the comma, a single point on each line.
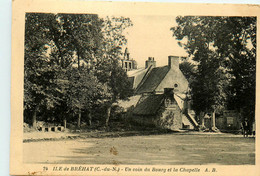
[126, 54]
[127, 62]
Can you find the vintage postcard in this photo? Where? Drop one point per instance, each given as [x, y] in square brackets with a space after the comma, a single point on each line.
[134, 88]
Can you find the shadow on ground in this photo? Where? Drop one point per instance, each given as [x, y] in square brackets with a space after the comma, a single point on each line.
[163, 149]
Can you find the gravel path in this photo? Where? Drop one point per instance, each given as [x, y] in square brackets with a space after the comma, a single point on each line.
[176, 149]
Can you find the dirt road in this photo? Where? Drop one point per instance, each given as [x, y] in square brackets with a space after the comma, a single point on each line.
[174, 149]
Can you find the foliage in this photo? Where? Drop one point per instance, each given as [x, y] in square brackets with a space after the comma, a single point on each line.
[108, 69]
[71, 63]
[40, 88]
[114, 38]
[188, 69]
[85, 90]
[224, 48]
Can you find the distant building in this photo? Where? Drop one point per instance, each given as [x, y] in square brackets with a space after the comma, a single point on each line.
[127, 62]
[230, 121]
[163, 94]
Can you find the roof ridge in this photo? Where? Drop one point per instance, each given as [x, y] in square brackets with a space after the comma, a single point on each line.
[153, 74]
[146, 75]
[136, 71]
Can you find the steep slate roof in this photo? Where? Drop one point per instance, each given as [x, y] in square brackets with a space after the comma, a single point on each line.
[136, 76]
[132, 101]
[131, 80]
[153, 79]
[150, 105]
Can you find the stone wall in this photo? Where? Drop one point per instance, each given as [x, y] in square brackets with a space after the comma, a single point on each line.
[228, 123]
[169, 117]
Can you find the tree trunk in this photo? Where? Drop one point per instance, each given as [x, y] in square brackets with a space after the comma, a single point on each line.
[78, 60]
[108, 115]
[202, 121]
[34, 124]
[65, 123]
[79, 118]
[89, 119]
[213, 120]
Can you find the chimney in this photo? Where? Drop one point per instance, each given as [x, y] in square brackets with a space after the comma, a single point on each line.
[150, 62]
[173, 61]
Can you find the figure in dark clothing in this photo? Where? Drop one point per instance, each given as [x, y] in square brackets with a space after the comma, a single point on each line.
[245, 128]
[253, 129]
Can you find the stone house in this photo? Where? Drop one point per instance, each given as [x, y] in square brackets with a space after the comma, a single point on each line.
[163, 98]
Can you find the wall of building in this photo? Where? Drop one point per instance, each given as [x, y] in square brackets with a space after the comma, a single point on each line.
[229, 121]
[174, 79]
[167, 117]
[171, 118]
[160, 78]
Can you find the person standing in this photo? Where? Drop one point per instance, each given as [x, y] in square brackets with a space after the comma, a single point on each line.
[245, 128]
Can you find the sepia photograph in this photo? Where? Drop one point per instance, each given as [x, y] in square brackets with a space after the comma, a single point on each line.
[129, 89]
[84, 92]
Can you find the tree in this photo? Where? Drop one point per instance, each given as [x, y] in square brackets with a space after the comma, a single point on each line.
[71, 64]
[221, 46]
[40, 88]
[240, 35]
[207, 95]
[98, 44]
[81, 38]
[85, 91]
[108, 69]
[188, 69]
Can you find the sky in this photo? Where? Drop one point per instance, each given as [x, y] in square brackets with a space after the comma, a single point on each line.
[150, 36]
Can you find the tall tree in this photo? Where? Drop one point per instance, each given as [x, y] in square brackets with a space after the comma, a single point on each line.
[54, 43]
[240, 52]
[108, 68]
[85, 91]
[67, 58]
[40, 88]
[82, 38]
[188, 69]
[221, 46]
